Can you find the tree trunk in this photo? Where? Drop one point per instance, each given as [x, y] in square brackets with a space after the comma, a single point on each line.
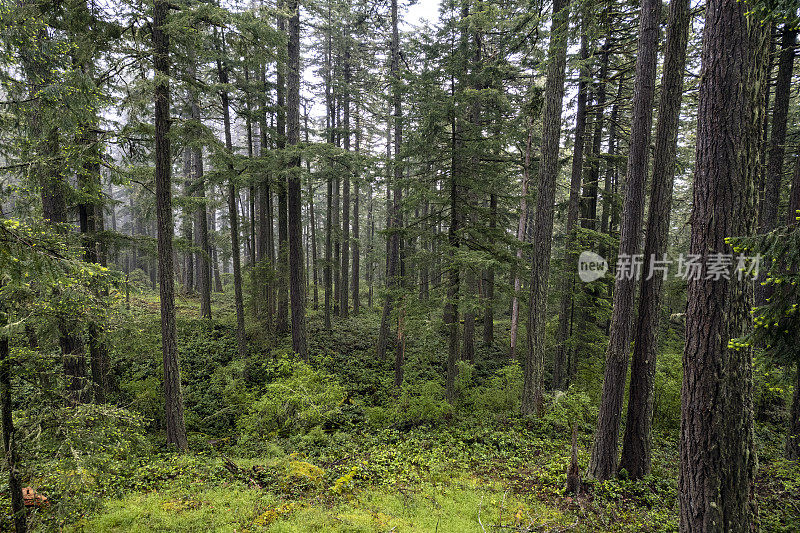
[188, 223]
[173, 398]
[9, 442]
[370, 244]
[295, 222]
[356, 222]
[521, 232]
[488, 280]
[212, 222]
[238, 296]
[717, 455]
[468, 346]
[344, 291]
[603, 464]
[636, 444]
[393, 262]
[768, 213]
[545, 198]
[282, 318]
[202, 256]
[573, 209]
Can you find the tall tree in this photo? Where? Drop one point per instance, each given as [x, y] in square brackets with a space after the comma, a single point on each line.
[295, 200]
[573, 209]
[773, 178]
[717, 457]
[545, 199]
[393, 259]
[233, 215]
[636, 443]
[344, 292]
[173, 397]
[283, 281]
[9, 442]
[604, 453]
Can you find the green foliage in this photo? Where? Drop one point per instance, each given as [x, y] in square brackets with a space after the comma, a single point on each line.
[304, 400]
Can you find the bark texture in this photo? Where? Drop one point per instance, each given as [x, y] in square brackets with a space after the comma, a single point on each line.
[717, 457]
[636, 443]
[173, 397]
[545, 198]
[603, 464]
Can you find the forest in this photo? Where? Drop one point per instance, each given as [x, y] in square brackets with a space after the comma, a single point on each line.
[400, 266]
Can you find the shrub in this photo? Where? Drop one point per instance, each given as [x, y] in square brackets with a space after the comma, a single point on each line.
[294, 405]
[502, 392]
[422, 404]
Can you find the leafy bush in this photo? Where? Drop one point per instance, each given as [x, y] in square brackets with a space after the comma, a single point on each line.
[570, 407]
[422, 404]
[306, 399]
[502, 393]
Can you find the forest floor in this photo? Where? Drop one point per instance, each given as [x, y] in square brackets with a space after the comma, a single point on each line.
[276, 445]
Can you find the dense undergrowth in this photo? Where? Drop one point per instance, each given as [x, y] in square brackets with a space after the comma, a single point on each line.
[281, 445]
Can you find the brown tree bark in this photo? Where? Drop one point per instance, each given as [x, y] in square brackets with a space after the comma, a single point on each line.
[282, 277]
[521, 232]
[393, 261]
[9, 443]
[717, 456]
[356, 284]
[238, 292]
[173, 398]
[773, 179]
[636, 443]
[295, 200]
[198, 187]
[344, 291]
[573, 210]
[545, 199]
[488, 280]
[603, 464]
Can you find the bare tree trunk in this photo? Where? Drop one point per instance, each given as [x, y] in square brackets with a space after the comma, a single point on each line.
[545, 198]
[238, 292]
[468, 346]
[344, 291]
[393, 268]
[717, 454]
[356, 221]
[604, 453]
[488, 281]
[282, 318]
[768, 213]
[370, 245]
[188, 222]
[296, 275]
[9, 442]
[573, 209]
[212, 222]
[173, 398]
[521, 227]
[636, 444]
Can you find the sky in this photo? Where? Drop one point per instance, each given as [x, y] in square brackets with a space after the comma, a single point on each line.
[422, 9]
